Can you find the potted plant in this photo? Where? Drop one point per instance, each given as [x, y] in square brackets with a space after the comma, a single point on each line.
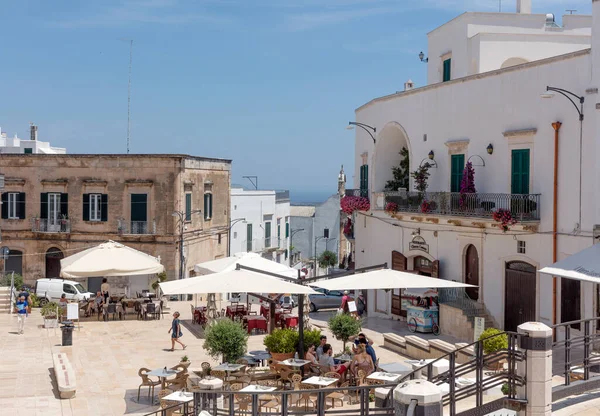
[327, 259]
[505, 389]
[185, 361]
[282, 343]
[50, 314]
[343, 326]
[227, 339]
[505, 218]
[161, 277]
[312, 337]
[494, 340]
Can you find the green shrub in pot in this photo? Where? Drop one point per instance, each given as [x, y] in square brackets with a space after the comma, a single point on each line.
[49, 310]
[282, 341]
[312, 337]
[226, 338]
[496, 343]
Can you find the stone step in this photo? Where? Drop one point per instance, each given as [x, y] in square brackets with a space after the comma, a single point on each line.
[4, 289]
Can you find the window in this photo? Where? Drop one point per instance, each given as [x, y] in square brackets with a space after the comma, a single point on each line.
[95, 207]
[235, 235]
[447, 68]
[521, 247]
[248, 237]
[219, 238]
[520, 171]
[457, 165]
[13, 205]
[28, 150]
[278, 231]
[287, 230]
[267, 234]
[188, 207]
[364, 180]
[69, 289]
[208, 204]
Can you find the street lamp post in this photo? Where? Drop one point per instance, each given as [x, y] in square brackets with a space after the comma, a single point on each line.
[317, 239]
[291, 245]
[233, 222]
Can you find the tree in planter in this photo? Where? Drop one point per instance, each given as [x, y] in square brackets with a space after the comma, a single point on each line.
[312, 337]
[226, 338]
[343, 326]
[161, 277]
[282, 341]
[401, 173]
[327, 259]
[421, 175]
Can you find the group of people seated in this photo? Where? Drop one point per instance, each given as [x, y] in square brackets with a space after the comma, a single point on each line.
[364, 356]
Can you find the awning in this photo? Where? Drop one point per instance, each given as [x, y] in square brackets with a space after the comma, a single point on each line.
[386, 279]
[234, 281]
[109, 259]
[252, 260]
[584, 265]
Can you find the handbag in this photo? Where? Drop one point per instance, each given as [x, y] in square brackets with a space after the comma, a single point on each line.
[180, 334]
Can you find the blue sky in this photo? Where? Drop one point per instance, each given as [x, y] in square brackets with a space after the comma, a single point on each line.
[270, 84]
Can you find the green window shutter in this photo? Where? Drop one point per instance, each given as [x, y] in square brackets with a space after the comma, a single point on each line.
[139, 207]
[364, 180]
[457, 165]
[267, 234]
[208, 211]
[447, 70]
[64, 204]
[104, 207]
[188, 207]
[520, 171]
[44, 205]
[4, 205]
[86, 207]
[278, 231]
[21, 205]
[28, 150]
[287, 230]
[249, 237]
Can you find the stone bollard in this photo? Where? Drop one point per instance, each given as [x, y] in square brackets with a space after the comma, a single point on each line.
[537, 367]
[425, 395]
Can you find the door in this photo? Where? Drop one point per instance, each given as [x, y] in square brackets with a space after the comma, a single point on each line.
[94, 284]
[520, 171]
[456, 171]
[54, 212]
[53, 257]
[334, 298]
[248, 237]
[14, 263]
[520, 294]
[570, 301]
[472, 272]
[139, 214]
[398, 263]
[424, 267]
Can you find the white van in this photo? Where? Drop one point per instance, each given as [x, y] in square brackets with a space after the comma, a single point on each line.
[48, 290]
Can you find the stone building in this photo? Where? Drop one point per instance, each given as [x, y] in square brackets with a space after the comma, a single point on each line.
[56, 205]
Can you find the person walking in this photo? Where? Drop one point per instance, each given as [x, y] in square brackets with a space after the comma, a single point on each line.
[105, 288]
[21, 309]
[176, 333]
[344, 305]
[361, 304]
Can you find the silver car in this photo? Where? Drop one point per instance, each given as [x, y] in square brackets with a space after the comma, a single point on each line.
[326, 299]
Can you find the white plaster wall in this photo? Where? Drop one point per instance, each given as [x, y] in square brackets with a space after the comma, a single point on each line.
[252, 205]
[282, 212]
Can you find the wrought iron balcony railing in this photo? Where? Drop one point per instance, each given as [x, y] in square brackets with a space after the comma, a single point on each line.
[262, 244]
[523, 207]
[357, 192]
[136, 227]
[44, 225]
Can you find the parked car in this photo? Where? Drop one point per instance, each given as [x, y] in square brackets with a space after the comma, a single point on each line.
[51, 289]
[287, 302]
[326, 299]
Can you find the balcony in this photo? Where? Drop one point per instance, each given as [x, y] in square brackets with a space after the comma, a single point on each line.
[43, 225]
[357, 192]
[265, 244]
[523, 207]
[136, 227]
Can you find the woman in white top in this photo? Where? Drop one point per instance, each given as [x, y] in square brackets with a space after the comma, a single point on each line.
[105, 288]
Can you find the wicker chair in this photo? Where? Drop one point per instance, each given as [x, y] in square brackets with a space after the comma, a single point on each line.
[179, 382]
[308, 397]
[242, 401]
[146, 382]
[361, 378]
[242, 371]
[333, 374]
[338, 395]
[164, 404]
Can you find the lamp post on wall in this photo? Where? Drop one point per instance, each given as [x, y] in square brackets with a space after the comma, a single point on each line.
[291, 245]
[182, 216]
[317, 239]
[363, 126]
[233, 222]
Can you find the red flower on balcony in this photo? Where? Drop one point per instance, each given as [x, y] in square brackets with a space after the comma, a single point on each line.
[349, 204]
[426, 206]
[391, 208]
[505, 218]
[348, 229]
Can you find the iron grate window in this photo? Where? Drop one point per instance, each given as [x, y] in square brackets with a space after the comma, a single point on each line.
[521, 247]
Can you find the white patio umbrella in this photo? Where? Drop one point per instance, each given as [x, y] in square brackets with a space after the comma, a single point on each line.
[584, 265]
[386, 279]
[109, 259]
[252, 260]
[242, 281]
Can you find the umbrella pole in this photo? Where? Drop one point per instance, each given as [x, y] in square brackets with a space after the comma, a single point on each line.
[301, 326]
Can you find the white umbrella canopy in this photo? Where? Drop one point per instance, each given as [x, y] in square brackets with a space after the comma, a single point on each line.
[386, 279]
[252, 260]
[584, 265]
[234, 281]
[109, 259]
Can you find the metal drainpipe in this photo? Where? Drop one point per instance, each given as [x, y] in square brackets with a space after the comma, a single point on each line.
[556, 127]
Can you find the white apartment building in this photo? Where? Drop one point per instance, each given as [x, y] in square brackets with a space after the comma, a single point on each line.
[488, 74]
[260, 223]
[33, 145]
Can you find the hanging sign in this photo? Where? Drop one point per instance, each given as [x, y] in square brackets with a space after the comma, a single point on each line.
[418, 243]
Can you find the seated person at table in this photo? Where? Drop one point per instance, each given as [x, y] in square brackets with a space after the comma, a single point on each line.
[63, 300]
[357, 341]
[368, 349]
[97, 303]
[326, 361]
[311, 355]
[362, 361]
[321, 345]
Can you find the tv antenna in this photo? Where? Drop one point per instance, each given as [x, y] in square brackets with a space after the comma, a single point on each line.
[129, 92]
[253, 182]
[571, 11]
[499, 6]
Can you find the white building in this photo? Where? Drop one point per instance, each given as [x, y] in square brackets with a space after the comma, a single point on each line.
[263, 225]
[489, 112]
[33, 145]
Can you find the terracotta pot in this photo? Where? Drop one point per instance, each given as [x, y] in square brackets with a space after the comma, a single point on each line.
[185, 364]
[282, 356]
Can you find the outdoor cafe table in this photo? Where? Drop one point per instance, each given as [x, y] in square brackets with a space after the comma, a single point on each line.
[292, 362]
[229, 368]
[181, 396]
[162, 374]
[144, 308]
[255, 322]
[260, 355]
[396, 368]
[251, 388]
[233, 311]
[320, 381]
[289, 321]
[382, 376]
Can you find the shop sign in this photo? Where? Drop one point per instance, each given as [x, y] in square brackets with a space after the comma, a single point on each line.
[418, 243]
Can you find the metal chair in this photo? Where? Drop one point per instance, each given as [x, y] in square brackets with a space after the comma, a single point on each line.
[146, 382]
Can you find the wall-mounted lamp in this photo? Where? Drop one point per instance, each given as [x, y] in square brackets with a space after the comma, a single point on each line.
[416, 232]
[422, 57]
[431, 155]
[490, 149]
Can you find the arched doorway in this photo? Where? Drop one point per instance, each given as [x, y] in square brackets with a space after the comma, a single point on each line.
[14, 263]
[519, 294]
[472, 271]
[53, 257]
[388, 154]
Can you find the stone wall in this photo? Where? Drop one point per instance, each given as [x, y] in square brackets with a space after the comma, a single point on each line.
[454, 323]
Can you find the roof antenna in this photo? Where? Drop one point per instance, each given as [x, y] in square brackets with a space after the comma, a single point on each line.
[571, 11]
[129, 91]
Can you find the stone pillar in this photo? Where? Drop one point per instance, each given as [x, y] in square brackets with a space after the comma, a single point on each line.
[537, 343]
[427, 397]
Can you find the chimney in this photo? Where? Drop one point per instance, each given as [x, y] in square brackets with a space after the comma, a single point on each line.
[524, 6]
[33, 132]
[409, 85]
